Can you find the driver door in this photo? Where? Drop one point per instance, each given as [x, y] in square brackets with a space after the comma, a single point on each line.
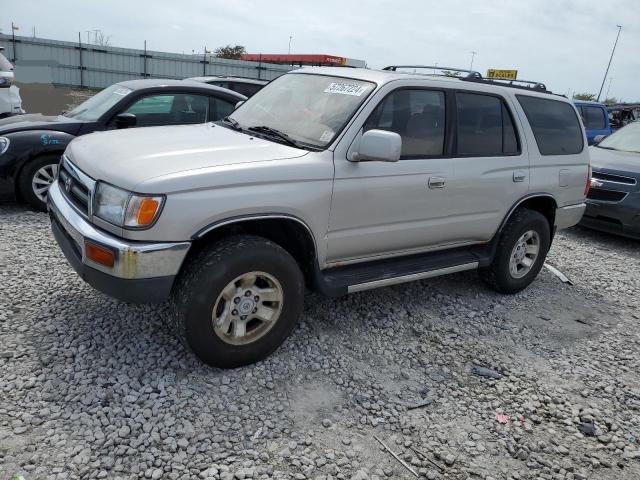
[381, 209]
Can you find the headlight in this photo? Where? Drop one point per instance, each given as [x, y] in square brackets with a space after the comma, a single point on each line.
[4, 144]
[125, 209]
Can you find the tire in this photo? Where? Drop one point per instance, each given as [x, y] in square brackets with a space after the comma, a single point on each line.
[201, 288]
[500, 274]
[35, 173]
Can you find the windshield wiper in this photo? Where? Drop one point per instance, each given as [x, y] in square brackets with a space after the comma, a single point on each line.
[233, 123]
[276, 133]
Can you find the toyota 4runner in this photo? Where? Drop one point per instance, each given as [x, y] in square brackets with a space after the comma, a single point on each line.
[339, 179]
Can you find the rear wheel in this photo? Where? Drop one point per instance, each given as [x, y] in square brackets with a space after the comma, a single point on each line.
[236, 302]
[35, 179]
[521, 252]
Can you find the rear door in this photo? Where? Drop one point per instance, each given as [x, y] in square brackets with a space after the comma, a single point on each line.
[490, 164]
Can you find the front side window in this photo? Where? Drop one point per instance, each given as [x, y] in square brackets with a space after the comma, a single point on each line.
[310, 109]
[593, 118]
[485, 126]
[555, 125]
[219, 108]
[172, 109]
[93, 108]
[418, 116]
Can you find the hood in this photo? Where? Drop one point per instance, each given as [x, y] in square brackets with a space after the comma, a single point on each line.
[614, 160]
[126, 158]
[37, 121]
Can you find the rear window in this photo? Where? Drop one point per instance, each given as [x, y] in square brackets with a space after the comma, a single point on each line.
[555, 125]
[485, 126]
[5, 65]
[593, 118]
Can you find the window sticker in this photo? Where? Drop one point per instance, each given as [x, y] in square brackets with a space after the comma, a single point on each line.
[326, 136]
[346, 89]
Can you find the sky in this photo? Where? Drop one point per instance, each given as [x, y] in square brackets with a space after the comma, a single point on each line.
[565, 44]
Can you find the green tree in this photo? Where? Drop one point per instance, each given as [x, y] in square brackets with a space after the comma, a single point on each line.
[584, 96]
[610, 101]
[233, 52]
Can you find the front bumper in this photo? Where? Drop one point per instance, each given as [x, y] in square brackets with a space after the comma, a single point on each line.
[619, 218]
[569, 216]
[143, 272]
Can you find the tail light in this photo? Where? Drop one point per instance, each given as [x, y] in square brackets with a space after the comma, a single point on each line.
[587, 187]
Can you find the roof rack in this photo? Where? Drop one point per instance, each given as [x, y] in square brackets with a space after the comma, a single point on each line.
[475, 76]
[470, 73]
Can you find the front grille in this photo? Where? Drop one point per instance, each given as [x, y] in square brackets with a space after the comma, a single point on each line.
[607, 177]
[606, 195]
[73, 189]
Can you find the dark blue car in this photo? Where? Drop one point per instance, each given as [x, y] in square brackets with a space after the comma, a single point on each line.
[595, 118]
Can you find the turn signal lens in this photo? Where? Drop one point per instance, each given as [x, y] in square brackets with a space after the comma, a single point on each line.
[142, 211]
[99, 254]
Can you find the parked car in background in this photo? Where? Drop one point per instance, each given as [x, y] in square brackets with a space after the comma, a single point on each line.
[595, 118]
[613, 203]
[31, 144]
[246, 86]
[10, 101]
[343, 179]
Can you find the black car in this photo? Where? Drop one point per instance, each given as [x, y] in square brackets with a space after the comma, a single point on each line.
[613, 202]
[31, 145]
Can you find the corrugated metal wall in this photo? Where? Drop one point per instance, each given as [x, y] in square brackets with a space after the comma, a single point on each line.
[72, 64]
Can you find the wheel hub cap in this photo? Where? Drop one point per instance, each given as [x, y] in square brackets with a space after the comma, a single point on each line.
[524, 254]
[247, 308]
[42, 179]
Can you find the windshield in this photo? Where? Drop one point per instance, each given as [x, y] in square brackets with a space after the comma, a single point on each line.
[626, 139]
[99, 104]
[5, 65]
[310, 109]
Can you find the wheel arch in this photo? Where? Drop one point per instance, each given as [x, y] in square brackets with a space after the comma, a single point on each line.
[543, 203]
[288, 231]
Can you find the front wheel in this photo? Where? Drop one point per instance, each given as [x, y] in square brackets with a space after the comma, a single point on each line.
[521, 252]
[36, 178]
[237, 302]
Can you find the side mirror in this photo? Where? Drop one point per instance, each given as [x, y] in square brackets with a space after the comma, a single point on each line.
[598, 138]
[239, 103]
[378, 145]
[125, 120]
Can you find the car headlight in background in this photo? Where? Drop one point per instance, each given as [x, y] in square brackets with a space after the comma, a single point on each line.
[125, 209]
[4, 144]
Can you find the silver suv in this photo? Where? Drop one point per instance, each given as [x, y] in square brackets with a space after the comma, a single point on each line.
[338, 179]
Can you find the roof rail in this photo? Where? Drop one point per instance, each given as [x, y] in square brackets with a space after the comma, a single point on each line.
[470, 73]
[474, 76]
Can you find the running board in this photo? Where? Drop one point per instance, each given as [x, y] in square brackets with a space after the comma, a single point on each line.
[364, 276]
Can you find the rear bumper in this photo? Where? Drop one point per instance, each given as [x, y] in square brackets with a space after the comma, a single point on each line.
[569, 216]
[142, 273]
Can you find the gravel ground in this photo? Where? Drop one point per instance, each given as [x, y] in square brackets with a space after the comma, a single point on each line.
[458, 381]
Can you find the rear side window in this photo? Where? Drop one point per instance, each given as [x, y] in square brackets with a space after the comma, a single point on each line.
[246, 89]
[485, 126]
[555, 125]
[593, 118]
[418, 116]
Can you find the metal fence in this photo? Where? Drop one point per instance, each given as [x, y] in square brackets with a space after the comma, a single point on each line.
[39, 60]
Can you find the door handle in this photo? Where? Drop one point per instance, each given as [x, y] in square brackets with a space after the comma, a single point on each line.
[519, 176]
[437, 182]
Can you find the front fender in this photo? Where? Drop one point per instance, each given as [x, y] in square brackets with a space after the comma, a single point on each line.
[30, 144]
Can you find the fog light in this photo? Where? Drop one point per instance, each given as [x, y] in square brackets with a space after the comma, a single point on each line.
[99, 254]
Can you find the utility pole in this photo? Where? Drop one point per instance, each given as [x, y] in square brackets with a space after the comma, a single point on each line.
[13, 40]
[609, 64]
[473, 54]
[290, 38]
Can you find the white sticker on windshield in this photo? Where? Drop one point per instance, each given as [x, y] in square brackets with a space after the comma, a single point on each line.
[346, 89]
[122, 91]
[326, 136]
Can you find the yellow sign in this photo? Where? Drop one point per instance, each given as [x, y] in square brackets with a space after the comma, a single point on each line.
[502, 74]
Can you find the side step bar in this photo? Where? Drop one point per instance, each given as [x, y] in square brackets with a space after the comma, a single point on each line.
[411, 277]
[364, 276]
